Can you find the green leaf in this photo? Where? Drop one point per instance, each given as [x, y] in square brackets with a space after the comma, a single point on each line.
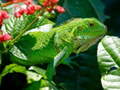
[111, 81]
[16, 54]
[50, 71]
[33, 76]
[26, 22]
[41, 85]
[108, 53]
[109, 62]
[12, 68]
[29, 50]
[82, 9]
[51, 67]
[38, 70]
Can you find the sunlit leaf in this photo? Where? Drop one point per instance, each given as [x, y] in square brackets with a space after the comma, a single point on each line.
[109, 62]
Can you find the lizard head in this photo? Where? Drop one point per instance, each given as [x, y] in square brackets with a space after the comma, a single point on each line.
[87, 33]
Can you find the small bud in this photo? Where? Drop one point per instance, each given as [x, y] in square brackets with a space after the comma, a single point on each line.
[50, 9]
[60, 9]
[30, 9]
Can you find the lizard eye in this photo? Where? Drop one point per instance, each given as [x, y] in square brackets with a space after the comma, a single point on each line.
[91, 24]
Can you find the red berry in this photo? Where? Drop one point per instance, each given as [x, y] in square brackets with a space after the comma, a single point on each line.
[22, 11]
[30, 9]
[60, 9]
[46, 3]
[7, 37]
[30, 12]
[54, 1]
[17, 14]
[38, 7]
[1, 38]
[4, 14]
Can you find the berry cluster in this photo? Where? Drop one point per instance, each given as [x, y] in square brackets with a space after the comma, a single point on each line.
[3, 15]
[51, 5]
[29, 9]
[4, 37]
[48, 5]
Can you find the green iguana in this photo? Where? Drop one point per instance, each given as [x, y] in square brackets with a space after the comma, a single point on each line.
[40, 47]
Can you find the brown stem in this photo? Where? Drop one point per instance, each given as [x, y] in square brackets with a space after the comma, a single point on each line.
[23, 31]
[6, 4]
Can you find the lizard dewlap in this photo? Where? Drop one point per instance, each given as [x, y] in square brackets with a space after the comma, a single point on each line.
[40, 47]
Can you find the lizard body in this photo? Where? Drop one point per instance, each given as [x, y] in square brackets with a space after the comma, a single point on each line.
[41, 47]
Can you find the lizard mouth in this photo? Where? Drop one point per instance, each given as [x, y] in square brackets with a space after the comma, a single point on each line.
[88, 43]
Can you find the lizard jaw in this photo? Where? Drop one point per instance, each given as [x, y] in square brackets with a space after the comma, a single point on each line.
[86, 45]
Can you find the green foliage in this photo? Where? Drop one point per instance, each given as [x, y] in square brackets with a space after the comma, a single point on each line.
[83, 72]
[88, 72]
[15, 25]
[41, 85]
[36, 51]
[12, 68]
[34, 77]
[82, 9]
[109, 62]
[33, 74]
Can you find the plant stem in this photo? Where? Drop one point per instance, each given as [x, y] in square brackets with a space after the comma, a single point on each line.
[6, 4]
[22, 32]
[10, 45]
